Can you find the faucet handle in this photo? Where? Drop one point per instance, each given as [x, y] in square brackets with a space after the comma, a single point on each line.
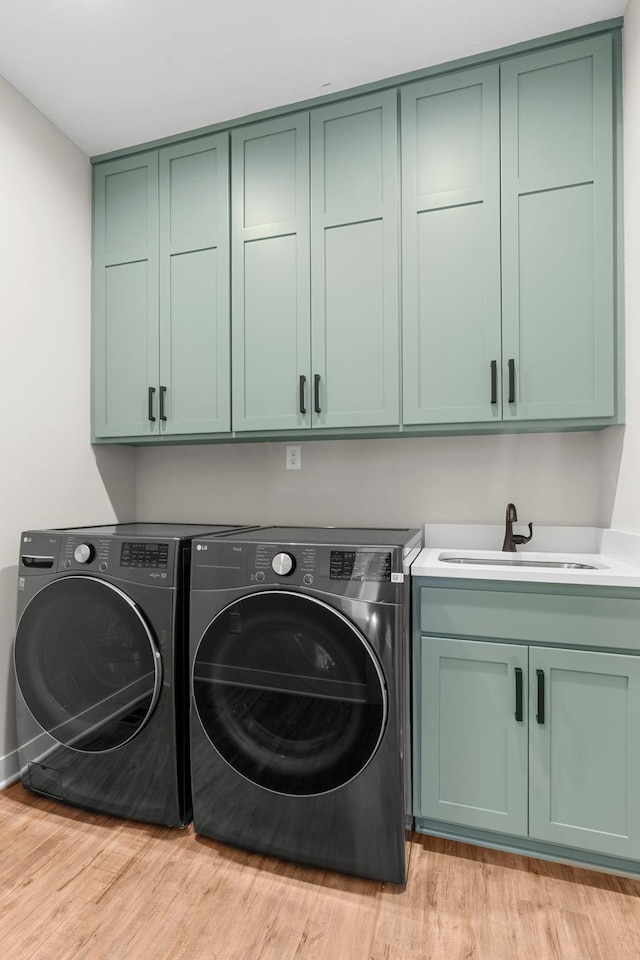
[520, 538]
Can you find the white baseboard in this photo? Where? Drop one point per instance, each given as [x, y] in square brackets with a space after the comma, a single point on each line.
[9, 769]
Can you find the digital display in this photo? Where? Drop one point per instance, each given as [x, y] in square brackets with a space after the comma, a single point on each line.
[152, 555]
[373, 566]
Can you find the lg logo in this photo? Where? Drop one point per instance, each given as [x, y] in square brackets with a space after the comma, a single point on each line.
[201, 546]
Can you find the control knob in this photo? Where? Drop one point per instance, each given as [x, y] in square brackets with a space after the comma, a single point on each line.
[283, 564]
[84, 553]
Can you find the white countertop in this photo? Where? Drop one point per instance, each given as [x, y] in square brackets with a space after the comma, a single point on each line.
[614, 555]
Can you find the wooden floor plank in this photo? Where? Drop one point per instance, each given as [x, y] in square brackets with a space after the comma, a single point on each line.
[79, 886]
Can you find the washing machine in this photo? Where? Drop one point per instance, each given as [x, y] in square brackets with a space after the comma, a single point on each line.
[300, 720]
[100, 662]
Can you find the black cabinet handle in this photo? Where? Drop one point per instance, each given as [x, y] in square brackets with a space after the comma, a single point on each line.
[540, 713]
[512, 381]
[152, 391]
[316, 393]
[494, 381]
[518, 673]
[303, 382]
[163, 393]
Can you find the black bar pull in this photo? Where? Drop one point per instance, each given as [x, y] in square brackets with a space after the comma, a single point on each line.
[316, 393]
[163, 394]
[303, 383]
[152, 391]
[512, 381]
[494, 381]
[540, 713]
[518, 673]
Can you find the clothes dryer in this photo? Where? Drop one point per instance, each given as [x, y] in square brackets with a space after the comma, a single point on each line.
[100, 663]
[300, 722]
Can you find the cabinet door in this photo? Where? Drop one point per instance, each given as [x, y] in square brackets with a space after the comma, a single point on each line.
[585, 750]
[557, 232]
[270, 275]
[472, 747]
[451, 248]
[125, 297]
[354, 265]
[194, 287]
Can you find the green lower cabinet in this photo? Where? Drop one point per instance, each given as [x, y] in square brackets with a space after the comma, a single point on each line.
[473, 755]
[535, 742]
[584, 750]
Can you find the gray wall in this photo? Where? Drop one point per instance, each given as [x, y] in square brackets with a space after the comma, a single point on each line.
[49, 474]
[552, 478]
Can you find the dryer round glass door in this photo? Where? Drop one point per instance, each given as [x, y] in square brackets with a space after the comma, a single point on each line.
[87, 664]
[289, 693]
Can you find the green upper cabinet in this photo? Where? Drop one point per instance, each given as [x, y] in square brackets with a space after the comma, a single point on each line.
[508, 240]
[315, 269]
[125, 296]
[442, 256]
[161, 292]
[557, 232]
[194, 287]
[270, 273]
[354, 263]
[451, 248]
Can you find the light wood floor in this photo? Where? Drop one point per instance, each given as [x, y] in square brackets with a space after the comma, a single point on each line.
[75, 885]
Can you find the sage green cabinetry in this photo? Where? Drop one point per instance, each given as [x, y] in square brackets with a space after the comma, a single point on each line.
[473, 755]
[508, 240]
[584, 755]
[125, 295]
[270, 272]
[451, 247]
[518, 731]
[161, 292]
[557, 231]
[263, 299]
[315, 269]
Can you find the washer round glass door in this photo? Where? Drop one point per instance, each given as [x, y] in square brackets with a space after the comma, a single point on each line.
[289, 693]
[87, 664]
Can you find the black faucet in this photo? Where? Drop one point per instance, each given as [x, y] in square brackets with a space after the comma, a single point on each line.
[511, 539]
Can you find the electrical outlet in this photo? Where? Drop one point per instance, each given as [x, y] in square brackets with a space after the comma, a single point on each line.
[294, 457]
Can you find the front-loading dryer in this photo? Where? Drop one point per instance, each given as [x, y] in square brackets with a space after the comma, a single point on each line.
[100, 663]
[300, 731]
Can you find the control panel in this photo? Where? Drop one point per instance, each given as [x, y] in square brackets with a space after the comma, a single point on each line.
[305, 564]
[141, 561]
[351, 571]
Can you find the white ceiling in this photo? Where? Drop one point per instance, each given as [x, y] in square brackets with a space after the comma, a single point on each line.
[112, 73]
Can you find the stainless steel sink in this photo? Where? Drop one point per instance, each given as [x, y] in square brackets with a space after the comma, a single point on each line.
[518, 562]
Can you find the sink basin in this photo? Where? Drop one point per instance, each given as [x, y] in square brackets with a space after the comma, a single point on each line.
[498, 558]
[519, 562]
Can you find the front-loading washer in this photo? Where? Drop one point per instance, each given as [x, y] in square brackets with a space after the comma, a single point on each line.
[300, 729]
[101, 670]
